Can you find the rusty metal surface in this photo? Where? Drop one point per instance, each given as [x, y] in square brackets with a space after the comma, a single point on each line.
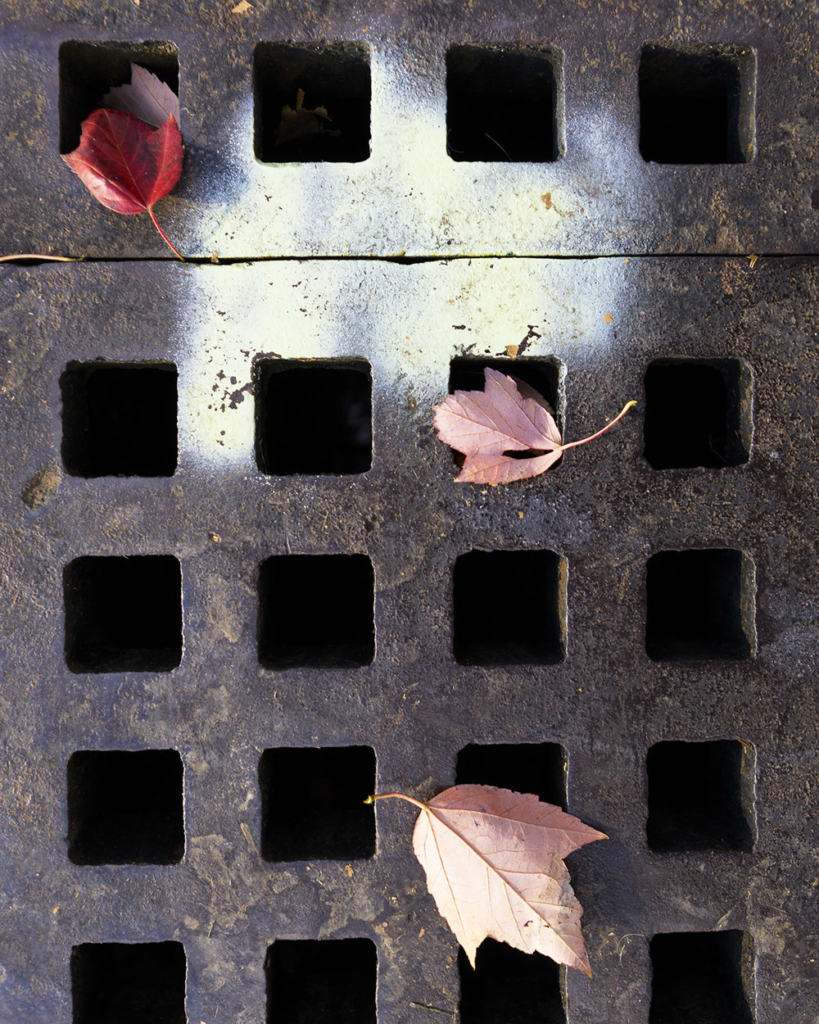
[410, 197]
[604, 510]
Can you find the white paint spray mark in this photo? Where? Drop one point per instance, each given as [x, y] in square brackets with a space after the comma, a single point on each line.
[407, 321]
[411, 198]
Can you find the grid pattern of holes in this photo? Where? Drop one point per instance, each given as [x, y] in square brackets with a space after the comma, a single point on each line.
[324, 817]
[504, 102]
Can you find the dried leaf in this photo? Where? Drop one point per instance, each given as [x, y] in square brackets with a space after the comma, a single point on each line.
[494, 866]
[507, 416]
[483, 425]
[301, 122]
[147, 97]
[127, 165]
[241, 8]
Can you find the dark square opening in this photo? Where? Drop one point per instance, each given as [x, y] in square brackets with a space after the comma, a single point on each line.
[509, 608]
[119, 419]
[313, 803]
[538, 768]
[698, 413]
[701, 796]
[313, 416]
[504, 103]
[128, 983]
[332, 76]
[123, 614]
[544, 375]
[316, 611]
[700, 604]
[702, 978]
[314, 982]
[88, 70]
[510, 987]
[125, 807]
[697, 104]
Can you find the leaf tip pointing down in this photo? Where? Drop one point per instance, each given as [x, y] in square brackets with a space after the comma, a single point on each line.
[127, 165]
[494, 862]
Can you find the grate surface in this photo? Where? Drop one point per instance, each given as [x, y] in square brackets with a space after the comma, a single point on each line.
[241, 589]
[578, 103]
[414, 716]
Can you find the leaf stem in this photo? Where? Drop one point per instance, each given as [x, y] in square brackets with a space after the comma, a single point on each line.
[394, 796]
[159, 229]
[608, 426]
[39, 256]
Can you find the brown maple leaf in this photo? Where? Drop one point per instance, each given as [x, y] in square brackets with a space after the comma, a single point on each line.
[146, 97]
[494, 866]
[507, 416]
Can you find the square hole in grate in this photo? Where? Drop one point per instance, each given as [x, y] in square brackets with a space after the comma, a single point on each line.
[504, 103]
[89, 69]
[324, 817]
[130, 983]
[697, 104]
[701, 795]
[313, 416]
[334, 76]
[125, 807]
[702, 977]
[538, 768]
[316, 611]
[718, 433]
[700, 604]
[509, 608]
[119, 419]
[313, 982]
[510, 987]
[123, 614]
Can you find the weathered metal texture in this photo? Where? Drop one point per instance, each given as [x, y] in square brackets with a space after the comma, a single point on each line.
[410, 197]
[603, 509]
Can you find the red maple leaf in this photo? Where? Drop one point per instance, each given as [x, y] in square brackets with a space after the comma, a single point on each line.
[126, 164]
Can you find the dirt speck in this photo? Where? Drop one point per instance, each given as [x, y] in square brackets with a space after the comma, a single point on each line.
[42, 487]
[223, 610]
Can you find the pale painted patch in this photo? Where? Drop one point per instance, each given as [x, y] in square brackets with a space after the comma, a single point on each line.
[408, 321]
[411, 198]
[235, 314]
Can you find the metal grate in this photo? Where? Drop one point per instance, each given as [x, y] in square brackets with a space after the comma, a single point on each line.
[241, 589]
